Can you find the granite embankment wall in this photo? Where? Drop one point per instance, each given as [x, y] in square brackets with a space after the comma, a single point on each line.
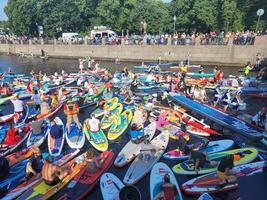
[216, 54]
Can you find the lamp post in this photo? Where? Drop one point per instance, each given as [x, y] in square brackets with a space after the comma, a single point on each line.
[227, 26]
[174, 22]
[260, 12]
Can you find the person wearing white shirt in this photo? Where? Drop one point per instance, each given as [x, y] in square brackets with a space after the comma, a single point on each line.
[93, 124]
[18, 105]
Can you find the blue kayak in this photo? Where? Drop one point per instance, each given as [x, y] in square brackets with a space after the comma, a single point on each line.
[217, 116]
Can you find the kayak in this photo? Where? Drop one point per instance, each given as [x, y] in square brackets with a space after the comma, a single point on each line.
[212, 147]
[218, 116]
[209, 183]
[43, 191]
[110, 104]
[27, 184]
[107, 120]
[200, 74]
[38, 139]
[157, 174]
[98, 140]
[146, 160]
[110, 186]
[120, 124]
[55, 145]
[84, 182]
[246, 155]
[49, 115]
[7, 149]
[7, 118]
[75, 138]
[131, 150]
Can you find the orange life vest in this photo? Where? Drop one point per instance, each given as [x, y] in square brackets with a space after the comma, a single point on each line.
[74, 111]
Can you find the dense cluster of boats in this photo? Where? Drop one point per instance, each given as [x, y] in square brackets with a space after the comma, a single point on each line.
[152, 110]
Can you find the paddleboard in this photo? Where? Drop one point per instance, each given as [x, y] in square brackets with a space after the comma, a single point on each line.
[210, 182]
[110, 186]
[246, 155]
[157, 174]
[120, 124]
[212, 147]
[205, 196]
[131, 150]
[97, 140]
[110, 105]
[146, 159]
[75, 138]
[55, 145]
[107, 120]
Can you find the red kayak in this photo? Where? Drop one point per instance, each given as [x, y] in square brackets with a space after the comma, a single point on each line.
[196, 123]
[84, 181]
[42, 116]
[7, 118]
[19, 156]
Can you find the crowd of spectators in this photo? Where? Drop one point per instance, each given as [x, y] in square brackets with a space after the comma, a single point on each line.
[178, 38]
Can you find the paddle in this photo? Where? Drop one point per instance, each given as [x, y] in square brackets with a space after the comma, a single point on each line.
[152, 149]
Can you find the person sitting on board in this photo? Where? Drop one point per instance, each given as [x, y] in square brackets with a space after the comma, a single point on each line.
[12, 136]
[201, 70]
[168, 190]
[45, 108]
[51, 173]
[157, 68]
[18, 107]
[225, 172]
[196, 92]
[137, 135]
[202, 94]
[35, 164]
[71, 111]
[162, 121]
[37, 127]
[200, 160]
[94, 163]
[4, 168]
[225, 100]
[54, 101]
[56, 130]
[36, 97]
[125, 72]
[150, 102]
[93, 124]
[139, 117]
[260, 119]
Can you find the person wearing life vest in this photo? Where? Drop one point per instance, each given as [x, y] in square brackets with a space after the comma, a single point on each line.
[12, 136]
[71, 110]
[218, 76]
[247, 68]
[225, 100]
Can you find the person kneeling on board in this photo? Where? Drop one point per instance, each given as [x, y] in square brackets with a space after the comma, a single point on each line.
[225, 172]
[35, 164]
[200, 160]
[51, 173]
[94, 163]
[168, 190]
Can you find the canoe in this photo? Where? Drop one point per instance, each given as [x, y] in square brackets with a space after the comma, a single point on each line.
[55, 145]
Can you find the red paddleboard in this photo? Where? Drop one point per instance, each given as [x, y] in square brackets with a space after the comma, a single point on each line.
[84, 181]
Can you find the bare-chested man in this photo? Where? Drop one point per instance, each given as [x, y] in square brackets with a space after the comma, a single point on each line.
[52, 174]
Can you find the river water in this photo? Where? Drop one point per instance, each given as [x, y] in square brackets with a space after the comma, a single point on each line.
[23, 65]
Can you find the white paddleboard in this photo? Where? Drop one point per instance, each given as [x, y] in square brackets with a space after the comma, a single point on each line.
[131, 150]
[146, 159]
[110, 186]
[157, 179]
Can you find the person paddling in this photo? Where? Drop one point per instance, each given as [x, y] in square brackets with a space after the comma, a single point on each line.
[168, 190]
[18, 107]
[35, 164]
[94, 163]
[51, 173]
